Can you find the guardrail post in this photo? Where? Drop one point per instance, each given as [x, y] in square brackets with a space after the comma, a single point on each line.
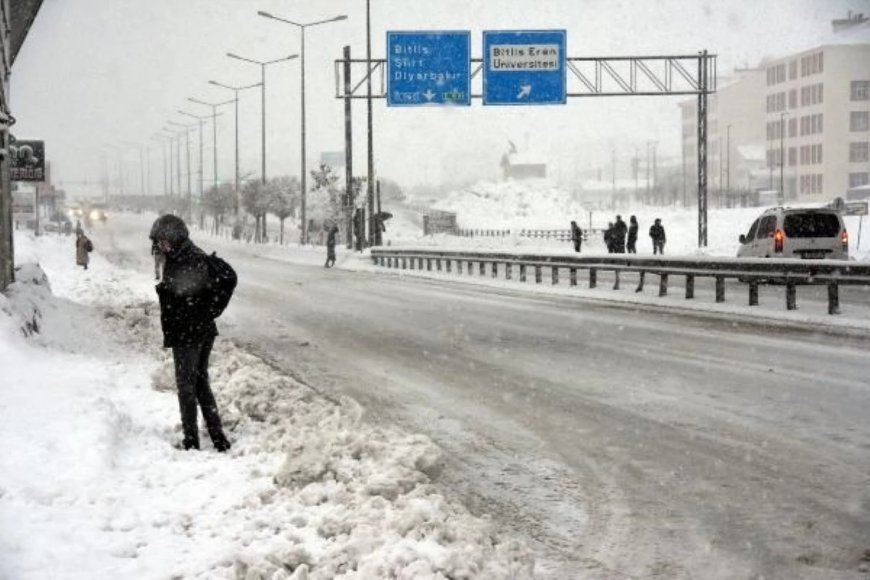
[404, 263]
[663, 284]
[593, 277]
[438, 264]
[522, 272]
[449, 264]
[411, 263]
[495, 269]
[753, 293]
[419, 263]
[720, 289]
[790, 296]
[555, 275]
[833, 298]
[389, 262]
[573, 275]
[482, 268]
[537, 274]
[616, 282]
[690, 287]
[640, 282]
[428, 264]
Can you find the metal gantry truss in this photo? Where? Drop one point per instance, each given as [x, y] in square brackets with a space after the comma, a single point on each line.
[619, 76]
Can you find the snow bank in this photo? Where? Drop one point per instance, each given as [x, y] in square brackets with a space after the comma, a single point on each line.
[92, 487]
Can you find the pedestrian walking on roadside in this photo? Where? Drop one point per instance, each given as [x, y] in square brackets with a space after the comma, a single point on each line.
[84, 247]
[330, 247]
[632, 235]
[619, 231]
[186, 295]
[608, 237]
[576, 236]
[657, 233]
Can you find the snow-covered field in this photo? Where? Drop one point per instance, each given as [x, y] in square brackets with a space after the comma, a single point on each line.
[93, 488]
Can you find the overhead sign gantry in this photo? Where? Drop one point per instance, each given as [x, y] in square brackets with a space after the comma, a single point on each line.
[529, 67]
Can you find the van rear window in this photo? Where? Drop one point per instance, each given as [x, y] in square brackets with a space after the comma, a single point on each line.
[811, 225]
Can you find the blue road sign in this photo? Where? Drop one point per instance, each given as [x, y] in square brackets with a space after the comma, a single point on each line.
[524, 67]
[428, 68]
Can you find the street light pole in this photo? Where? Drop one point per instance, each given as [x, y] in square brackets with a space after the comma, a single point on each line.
[728, 162]
[262, 65]
[214, 107]
[302, 27]
[236, 100]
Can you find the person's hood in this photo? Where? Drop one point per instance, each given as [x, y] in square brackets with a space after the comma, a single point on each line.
[170, 228]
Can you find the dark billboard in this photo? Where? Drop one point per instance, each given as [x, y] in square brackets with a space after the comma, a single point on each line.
[27, 161]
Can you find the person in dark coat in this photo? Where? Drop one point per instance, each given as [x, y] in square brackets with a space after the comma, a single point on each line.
[657, 233]
[608, 237]
[576, 236]
[83, 248]
[619, 231]
[188, 327]
[330, 247]
[632, 235]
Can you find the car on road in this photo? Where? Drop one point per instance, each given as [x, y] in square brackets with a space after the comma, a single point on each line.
[809, 233]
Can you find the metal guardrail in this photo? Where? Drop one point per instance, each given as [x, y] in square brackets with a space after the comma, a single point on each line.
[563, 235]
[751, 271]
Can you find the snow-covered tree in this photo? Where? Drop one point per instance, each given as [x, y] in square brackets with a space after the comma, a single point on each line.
[283, 198]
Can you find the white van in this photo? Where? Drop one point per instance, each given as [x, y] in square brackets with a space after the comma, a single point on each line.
[796, 233]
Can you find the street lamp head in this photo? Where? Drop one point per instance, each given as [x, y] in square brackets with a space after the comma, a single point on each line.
[340, 17]
[264, 14]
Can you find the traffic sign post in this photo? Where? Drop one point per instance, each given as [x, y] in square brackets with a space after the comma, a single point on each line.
[428, 68]
[525, 67]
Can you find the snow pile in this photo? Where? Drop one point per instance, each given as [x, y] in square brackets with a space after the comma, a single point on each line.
[531, 203]
[92, 487]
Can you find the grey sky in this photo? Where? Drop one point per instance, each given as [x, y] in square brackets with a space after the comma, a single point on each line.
[94, 72]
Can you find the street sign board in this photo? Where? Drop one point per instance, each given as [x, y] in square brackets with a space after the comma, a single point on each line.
[855, 208]
[27, 161]
[524, 67]
[428, 68]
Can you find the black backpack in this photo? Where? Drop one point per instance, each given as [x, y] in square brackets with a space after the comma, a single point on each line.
[223, 282]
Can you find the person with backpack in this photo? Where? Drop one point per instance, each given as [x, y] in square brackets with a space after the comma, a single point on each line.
[576, 236]
[84, 246]
[618, 235]
[330, 247]
[657, 233]
[193, 292]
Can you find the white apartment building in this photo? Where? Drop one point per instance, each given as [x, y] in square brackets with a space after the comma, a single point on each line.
[818, 120]
[735, 132]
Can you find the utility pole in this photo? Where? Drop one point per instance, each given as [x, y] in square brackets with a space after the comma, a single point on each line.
[371, 169]
[348, 152]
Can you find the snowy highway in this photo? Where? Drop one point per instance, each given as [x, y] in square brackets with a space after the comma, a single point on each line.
[622, 442]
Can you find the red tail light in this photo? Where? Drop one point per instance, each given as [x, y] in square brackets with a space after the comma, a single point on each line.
[778, 238]
[844, 239]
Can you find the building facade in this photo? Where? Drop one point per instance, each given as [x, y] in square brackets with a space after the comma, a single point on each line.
[817, 120]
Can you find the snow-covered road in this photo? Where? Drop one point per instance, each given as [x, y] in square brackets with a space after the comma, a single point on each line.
[623, 442]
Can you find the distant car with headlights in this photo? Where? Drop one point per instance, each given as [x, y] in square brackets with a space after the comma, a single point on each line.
[97, 214]
[808, 233]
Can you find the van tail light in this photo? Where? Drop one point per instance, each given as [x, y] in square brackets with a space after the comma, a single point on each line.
[844, 239]
[778, 239]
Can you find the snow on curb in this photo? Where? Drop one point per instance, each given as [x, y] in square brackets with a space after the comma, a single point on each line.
[310, 489]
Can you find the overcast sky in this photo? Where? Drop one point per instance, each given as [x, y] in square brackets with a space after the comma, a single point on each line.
[94, 73]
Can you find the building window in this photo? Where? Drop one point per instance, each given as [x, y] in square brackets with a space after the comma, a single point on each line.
[792, 156]
[859, 152]
[859, 121]
[792, 127]
[860, 90]
[792, 99]
[792, 70]
[859, 179]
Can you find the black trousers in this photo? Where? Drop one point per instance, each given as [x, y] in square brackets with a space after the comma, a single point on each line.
[191, 380]
[576, 245]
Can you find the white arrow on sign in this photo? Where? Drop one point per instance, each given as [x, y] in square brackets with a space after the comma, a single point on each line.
[429, 95]
[525, 91]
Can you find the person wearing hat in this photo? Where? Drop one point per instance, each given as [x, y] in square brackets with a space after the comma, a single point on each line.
[188, 327]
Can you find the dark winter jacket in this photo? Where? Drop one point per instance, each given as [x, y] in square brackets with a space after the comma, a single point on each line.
[657, 233]
[619, 230]
[576, 233]
[632, 233]
[330, 239]
[184, 294]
